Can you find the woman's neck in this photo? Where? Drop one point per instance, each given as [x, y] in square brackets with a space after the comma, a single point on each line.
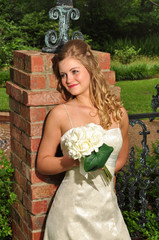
[84, 101]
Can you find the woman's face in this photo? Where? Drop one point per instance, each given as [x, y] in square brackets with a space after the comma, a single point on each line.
[74, 76]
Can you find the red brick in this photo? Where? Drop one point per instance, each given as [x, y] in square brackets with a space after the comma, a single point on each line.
[37, 114]
[19, 59]
[16, 161]
[34, 62]
[42, 98]
[29, 60]
[35, 207]
[30, 143]
[33, 114]
[31, 174]
[25, 228]
[25, 112]
[17, 76]
[18, 121]
[14, 105]
[17, 232]
[21, 210]
[37, 177]
[38, 235]
[34, 129]
[37, 82]
[109, 76]
[26, 170]
[28, 80]
[20, 179]
[37, 191]
[103, 59]
[16, 216]
[14, 91]
[18, 149]
[31, 159]
[26, 141]
[39, 207]
[52, 81]
[23, 224]
[35, 144]
[49, 108]
[15, 133]
[48, 59]
[18, 191]
[11, 74]
[36, 222]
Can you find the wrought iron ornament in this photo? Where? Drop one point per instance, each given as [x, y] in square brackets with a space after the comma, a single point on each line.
[64, 11]
[155, 101]
[134, 182]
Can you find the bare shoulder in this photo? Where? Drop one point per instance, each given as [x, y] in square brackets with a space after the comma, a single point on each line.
[56, 116]
[57, 112]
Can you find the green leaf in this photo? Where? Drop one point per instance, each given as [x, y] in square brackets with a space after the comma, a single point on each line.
[97, 159]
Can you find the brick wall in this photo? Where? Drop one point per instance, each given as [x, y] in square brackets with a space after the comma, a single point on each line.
[32, 93]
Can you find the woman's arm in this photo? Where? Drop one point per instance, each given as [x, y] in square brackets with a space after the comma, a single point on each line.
[123, 154]
[47, 163]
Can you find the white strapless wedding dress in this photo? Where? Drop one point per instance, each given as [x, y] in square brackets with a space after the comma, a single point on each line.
[87, 209]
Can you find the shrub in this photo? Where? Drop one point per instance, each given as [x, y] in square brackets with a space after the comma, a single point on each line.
[126, 54]
[131, 72]
[4, 76]
[148, 46]
[140, 69]
[35, 33]
[10, 39]
[7, 197]
[151, 229]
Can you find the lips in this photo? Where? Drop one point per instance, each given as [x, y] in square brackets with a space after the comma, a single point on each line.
[72, 85]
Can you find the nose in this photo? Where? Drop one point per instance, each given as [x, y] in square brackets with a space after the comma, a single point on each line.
[69, 78]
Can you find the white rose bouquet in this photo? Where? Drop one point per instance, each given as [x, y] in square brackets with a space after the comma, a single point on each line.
[86, 144]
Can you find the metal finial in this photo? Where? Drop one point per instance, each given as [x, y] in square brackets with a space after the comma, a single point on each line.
[64, 2]
[64, 11]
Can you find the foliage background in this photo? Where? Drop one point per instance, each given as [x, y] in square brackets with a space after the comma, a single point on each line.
[108, 24]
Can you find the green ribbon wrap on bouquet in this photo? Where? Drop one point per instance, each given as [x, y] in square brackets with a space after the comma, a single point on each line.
[98, 159]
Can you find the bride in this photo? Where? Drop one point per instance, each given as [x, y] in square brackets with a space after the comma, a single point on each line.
[84, 208]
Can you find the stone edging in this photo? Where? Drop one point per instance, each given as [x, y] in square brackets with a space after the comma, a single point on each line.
[4, 116]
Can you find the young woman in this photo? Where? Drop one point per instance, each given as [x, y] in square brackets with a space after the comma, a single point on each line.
[83, 208]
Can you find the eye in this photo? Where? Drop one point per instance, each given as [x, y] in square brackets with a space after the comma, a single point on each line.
[63, 75]
[75, 71]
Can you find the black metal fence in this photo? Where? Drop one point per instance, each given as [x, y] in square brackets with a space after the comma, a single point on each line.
[140, 176]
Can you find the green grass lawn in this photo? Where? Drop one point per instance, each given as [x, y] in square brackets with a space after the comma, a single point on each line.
[4, 100]
[137, 95]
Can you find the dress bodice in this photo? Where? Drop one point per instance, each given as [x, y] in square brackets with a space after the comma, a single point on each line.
[112, 137]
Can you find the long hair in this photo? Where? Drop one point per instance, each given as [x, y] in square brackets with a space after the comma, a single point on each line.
[101, 97]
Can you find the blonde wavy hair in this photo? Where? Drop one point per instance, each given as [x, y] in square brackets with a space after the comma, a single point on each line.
[104, 101]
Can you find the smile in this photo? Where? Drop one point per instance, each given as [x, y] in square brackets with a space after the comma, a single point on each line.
[73, 85]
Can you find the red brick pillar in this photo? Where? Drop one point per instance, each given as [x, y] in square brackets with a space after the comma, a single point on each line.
[32, 93]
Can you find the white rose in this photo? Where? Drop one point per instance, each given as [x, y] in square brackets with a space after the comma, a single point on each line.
[80, 148]
[81, 141]
[77, 144]
[95, 134]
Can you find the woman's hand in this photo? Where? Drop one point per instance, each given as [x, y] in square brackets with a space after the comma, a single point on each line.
[68, 163]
